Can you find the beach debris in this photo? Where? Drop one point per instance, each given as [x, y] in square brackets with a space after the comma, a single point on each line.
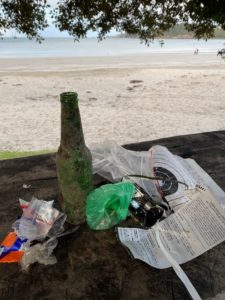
[114, 162]
[192, 230]
[108, 205]
[137, 85]
[176, 176]
[73, 161]
[41, 253]
[130, 89]
[111, 204]
[143, 209]
[11, 248]
[35, 234]
[184, 204]
[26, 186]
[136, 81]
[37, 219]
[17, 84]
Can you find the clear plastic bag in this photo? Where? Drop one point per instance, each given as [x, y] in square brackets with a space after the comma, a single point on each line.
[57, 228]
[113, 162]
[38, 218]
[41, 253]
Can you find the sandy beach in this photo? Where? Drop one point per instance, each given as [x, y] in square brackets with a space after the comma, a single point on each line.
[128, 98]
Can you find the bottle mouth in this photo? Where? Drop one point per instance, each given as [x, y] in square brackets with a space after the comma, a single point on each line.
[69, 97]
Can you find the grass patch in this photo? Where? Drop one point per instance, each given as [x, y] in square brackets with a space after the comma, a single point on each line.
[16, 154]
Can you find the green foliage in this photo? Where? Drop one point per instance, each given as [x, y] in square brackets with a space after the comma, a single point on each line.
[25, 16]
[179, 31]
[219, 33]
[145, 18]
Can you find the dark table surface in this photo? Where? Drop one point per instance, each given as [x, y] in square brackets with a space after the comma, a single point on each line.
[94, 265]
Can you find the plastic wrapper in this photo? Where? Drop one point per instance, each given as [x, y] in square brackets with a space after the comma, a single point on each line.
[41, 253]
[35, 234]
[38, 219]
[12, 248]
[108, 205]
[113, 162]
[57, 227]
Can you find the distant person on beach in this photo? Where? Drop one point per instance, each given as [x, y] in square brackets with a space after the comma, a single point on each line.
[196, 51]
[161, 42]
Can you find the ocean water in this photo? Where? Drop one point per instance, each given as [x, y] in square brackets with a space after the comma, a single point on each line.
[66, 47]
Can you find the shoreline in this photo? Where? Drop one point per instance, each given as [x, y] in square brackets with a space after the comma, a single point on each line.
[151, 60]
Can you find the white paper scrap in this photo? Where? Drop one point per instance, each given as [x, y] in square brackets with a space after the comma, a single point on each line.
[192, 230]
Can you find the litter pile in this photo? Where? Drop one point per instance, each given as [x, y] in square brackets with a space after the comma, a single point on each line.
[178, 205]
[149, 186]
[34, 235]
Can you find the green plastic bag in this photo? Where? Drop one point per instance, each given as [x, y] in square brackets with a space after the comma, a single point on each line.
[108, 205]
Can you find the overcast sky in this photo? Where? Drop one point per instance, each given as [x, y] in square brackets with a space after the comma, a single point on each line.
[52, 31]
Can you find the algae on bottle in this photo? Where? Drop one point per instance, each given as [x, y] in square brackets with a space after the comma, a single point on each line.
[73, 160]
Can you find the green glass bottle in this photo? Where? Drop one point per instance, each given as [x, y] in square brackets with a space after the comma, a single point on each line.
[73, 160]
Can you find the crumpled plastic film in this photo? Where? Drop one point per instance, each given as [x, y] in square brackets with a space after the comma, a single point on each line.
[108, 205]
[114, 162]
[41, 253]
[38, 219]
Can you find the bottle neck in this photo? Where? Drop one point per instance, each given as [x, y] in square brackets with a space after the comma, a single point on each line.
[71, 127]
